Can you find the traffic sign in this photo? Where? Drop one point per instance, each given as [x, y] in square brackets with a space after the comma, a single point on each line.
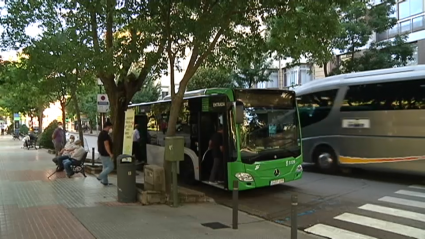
[102, 103]
[16, 116]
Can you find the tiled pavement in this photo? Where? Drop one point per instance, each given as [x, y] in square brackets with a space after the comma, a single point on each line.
[32, 206]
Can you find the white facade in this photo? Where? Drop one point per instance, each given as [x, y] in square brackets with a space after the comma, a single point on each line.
[411, 21]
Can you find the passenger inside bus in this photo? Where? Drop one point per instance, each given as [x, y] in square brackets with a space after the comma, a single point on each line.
[216, 146]
[212, 165]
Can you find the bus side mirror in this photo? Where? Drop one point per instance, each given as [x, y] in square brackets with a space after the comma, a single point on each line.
[239, 113]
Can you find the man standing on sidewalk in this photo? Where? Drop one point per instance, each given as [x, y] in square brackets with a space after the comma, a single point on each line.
[58, 138]
[104, 147]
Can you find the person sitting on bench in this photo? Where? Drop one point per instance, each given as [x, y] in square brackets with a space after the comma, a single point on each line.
[65, 153]
[77, 155]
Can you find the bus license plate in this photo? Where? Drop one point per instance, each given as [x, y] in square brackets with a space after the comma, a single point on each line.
[278, 181]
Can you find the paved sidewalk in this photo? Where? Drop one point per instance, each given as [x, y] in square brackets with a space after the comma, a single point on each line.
[32, 206]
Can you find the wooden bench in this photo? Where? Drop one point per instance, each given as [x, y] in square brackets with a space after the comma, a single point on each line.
[76, 166]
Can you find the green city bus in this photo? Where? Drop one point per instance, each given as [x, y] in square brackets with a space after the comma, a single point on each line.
[261, 135]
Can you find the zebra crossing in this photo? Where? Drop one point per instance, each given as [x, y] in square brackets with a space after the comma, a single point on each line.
[397, 216]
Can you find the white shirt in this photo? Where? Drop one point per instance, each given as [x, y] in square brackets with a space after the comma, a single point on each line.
[136, 135]
[78, 153]
[68, 146]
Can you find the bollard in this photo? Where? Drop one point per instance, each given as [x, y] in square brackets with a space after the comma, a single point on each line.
[235, 204]
[294, 226]
[92, 156]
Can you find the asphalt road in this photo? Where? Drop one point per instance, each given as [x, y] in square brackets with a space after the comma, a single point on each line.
[361, 205]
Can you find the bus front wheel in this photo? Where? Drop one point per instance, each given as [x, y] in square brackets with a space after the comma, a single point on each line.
[326, 159]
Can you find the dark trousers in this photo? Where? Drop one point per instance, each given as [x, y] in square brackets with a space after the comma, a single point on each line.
[136, 150]
[217, 170]
[59, 161]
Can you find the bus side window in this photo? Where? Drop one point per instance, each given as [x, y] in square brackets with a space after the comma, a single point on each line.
[399, 95]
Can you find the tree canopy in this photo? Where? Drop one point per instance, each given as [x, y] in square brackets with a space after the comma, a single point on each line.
[151, 91]
[357, 23]
[211, 77]
[129, 41]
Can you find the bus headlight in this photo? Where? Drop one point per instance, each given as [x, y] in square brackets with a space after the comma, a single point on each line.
[299, 168]
[244, 177]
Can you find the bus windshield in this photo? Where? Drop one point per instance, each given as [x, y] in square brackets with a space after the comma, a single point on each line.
[270, 130]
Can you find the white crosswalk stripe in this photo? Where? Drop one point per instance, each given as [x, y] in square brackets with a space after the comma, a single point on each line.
[335, 233]
[411, 193]
[404, 221]
[394, 212]
[417, 187]
[401, 201]
[383, 225]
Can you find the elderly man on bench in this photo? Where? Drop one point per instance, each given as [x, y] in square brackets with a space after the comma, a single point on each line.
[65, 153]
[76, 156]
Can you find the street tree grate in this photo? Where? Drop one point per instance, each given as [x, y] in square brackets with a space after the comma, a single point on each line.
[215, 225]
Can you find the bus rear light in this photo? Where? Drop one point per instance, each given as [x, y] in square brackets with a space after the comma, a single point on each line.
[244, 177]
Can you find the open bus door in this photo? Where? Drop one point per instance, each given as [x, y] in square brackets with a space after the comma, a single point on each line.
[139, 148]
[214, 111]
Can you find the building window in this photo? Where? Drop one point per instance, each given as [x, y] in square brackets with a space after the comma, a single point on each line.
[298, 75]
[418, 23]
[409, 8]
[164, 93]
[405, 27]
[407, 12]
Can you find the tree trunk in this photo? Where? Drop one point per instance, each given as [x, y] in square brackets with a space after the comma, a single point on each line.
[118, 119]
[171, 131]
[63, 109]
[40, 121]
[77, 108]
[325, 69]
[172, 120]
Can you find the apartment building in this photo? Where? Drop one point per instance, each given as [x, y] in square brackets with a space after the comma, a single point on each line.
[288, 76]
[410, 16]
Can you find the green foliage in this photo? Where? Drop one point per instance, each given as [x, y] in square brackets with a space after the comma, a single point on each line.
[149, 92]
[87, 100]
[252, 70]
[127, 41]
[22, 90]
[381, 55]
[359, 21]
[307, 30]
[45, 139]
[207, 77]
[24, 129]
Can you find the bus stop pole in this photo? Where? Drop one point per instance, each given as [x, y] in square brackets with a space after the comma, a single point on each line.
[92, 157]
[294, 226]
[175, 187]
[235, 204]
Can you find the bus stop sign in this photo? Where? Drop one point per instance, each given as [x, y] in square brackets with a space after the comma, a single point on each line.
[102, 103]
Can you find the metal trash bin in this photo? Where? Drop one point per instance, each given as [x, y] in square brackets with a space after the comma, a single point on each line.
[126, 179]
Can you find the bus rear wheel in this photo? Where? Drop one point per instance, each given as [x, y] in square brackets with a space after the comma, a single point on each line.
[326, 159]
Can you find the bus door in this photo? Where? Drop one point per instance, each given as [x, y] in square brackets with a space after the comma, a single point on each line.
[214, 113]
